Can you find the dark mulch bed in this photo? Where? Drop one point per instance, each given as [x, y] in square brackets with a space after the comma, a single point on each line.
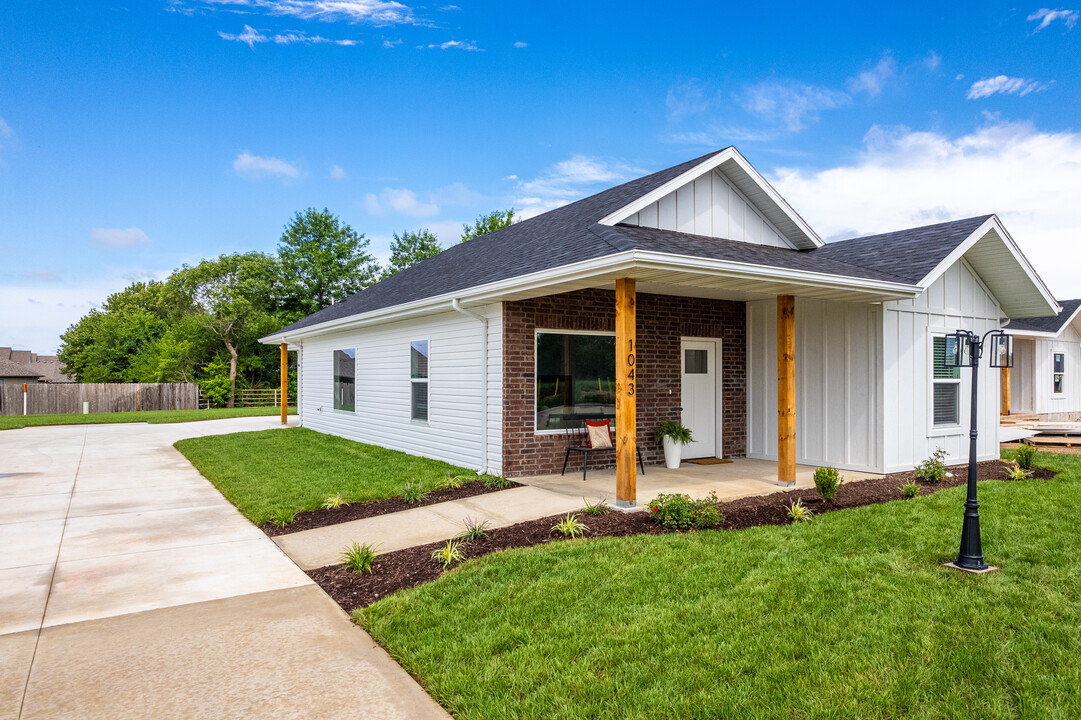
[311, 519]
[413, 566]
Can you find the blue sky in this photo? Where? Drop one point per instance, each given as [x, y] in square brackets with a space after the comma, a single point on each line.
[134, 139]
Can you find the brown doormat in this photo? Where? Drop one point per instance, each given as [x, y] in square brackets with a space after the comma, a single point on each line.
[710, 461]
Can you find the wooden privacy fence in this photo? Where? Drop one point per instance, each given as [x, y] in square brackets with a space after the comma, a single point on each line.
[51, 398]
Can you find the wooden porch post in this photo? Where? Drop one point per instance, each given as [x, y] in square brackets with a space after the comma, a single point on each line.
[626, 384]
[786, 390]
[1005, 391]
[285, 382]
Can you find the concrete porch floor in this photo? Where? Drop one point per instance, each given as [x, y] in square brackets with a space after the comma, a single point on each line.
[742, 477]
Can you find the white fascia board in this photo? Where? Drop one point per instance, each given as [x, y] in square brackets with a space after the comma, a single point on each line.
[708, 165]
[992, 223]
[627, 261]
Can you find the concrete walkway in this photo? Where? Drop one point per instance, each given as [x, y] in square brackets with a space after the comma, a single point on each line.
[419, 526]
[130, 588]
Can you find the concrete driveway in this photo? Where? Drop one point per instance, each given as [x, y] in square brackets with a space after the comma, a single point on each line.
[130, 588]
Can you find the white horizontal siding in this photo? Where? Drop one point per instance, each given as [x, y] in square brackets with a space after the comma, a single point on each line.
[957, 300]
[454, 432]
[1031, 380]
[837, 393]
[711, 206]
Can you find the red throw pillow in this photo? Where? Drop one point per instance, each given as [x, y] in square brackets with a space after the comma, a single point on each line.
[600, 434]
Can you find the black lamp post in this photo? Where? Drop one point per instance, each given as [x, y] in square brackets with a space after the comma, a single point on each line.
[964, 349]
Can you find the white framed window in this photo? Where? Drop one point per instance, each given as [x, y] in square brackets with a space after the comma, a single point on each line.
[945, 387]
[574, 374]
[1058, 373]
[345, 379]
[418, 380]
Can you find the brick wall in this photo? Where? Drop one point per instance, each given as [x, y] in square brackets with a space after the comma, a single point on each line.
[662, 320]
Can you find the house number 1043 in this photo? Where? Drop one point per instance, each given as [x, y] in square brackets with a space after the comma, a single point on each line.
[630, 364]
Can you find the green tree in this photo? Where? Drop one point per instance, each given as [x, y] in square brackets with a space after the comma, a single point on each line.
[107, 344]
[488, 223]
[323, 261]
[234, 297]
[410, 248]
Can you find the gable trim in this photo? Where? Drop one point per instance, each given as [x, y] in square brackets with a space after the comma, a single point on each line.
[809, 237]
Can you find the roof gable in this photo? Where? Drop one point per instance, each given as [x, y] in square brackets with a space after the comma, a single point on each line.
[1052, 325]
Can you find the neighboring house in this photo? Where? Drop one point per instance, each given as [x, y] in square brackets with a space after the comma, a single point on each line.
[1046, 377]
[474, 356]
[13, 373]
[43, 368]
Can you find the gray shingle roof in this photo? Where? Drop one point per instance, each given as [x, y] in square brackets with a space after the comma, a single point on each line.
[571, 234]
[1053, 324]
[10, 369]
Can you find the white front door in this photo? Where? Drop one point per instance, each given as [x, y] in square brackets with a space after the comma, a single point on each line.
[699, 380]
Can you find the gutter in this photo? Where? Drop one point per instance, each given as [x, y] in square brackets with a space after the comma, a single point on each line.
[456, 305]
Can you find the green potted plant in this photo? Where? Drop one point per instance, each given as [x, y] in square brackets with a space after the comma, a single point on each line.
[673, 435]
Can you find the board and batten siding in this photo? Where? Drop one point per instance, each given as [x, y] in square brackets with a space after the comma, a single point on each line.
[711, 206]
[955, 301]
[1031, 379]
[454, 432]
[838, 361]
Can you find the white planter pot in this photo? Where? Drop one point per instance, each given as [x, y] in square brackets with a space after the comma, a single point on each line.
[672, 452]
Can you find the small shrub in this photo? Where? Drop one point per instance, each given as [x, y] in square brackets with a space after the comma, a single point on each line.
[678, 512]
[282, 517]
[359, 558]
[827, 480]
[570, 526]
[497, 483]
[596, 508]
[414, 492]
[453, 483]
[798, 512]
[910, 489]
[474, 529]
[1018, 473]
[336, 500]
[933, 469]
[448, 554]
[1025, 456]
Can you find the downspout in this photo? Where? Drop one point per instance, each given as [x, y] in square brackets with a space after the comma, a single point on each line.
[483, 378]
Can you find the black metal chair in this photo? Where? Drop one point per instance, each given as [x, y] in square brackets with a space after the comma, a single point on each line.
[578, 441]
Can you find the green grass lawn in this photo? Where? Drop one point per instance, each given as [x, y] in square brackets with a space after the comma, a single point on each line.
[851, 615]
[11, 422]
[297, 468]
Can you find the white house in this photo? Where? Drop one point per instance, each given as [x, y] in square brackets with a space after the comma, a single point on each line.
[666, 297]
[1046, 377]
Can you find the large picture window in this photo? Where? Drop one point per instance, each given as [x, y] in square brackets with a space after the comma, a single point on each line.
[1058, 373]
[418, 380]
[575, 375]
[345, 378]
[946, 399]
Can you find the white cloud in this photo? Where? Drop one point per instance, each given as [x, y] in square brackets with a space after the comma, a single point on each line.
[391, 43]
[871, 81]
[567, 181]
[251, 36]
[118, 237]
[906, 178]
[255, 167]
[5, 133]
[452, 45]
[1004, 85]
[521, 44]
[932, 61]
[402, 201]
[337, 172]
[1047, 16]
[790, 104]
[370, 12]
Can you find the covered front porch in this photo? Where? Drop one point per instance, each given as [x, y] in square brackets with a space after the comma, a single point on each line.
[742, 477]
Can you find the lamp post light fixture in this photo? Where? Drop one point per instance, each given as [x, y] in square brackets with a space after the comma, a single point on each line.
[964, 349]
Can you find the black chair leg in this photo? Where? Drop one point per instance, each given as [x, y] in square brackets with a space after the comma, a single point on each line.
[585, 465]
[565, 459]
[640, 464]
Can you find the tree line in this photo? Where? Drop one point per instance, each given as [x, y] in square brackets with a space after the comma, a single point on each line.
[203, 323]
